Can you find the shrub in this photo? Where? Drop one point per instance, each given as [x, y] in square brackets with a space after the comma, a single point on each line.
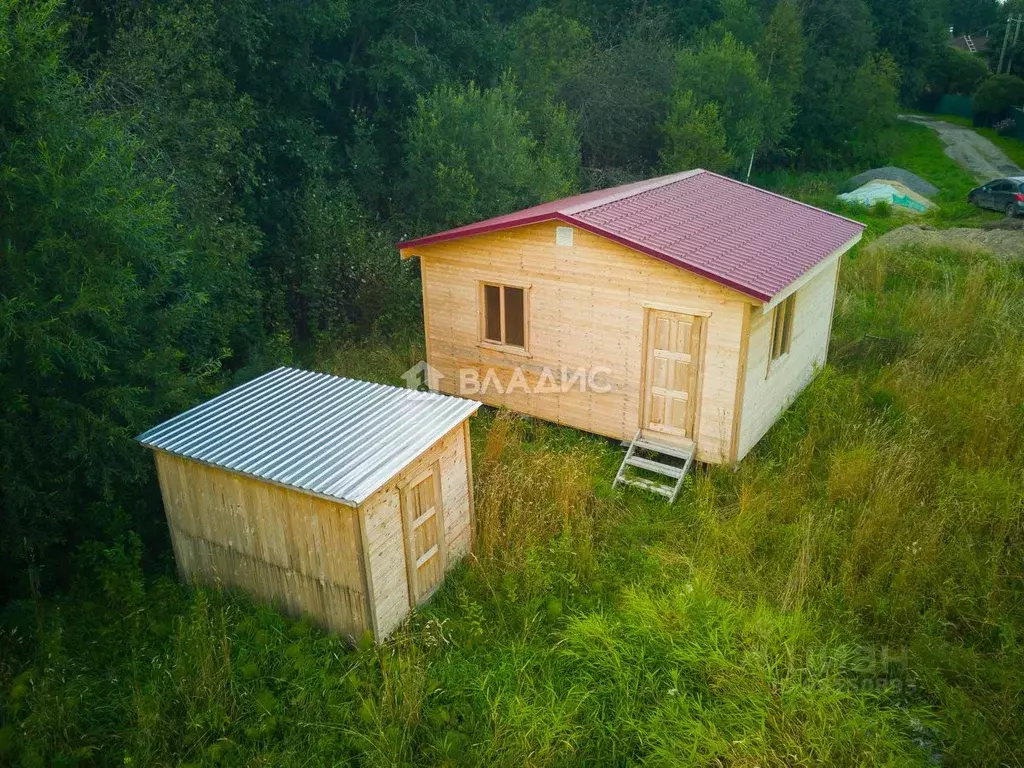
[995, 96]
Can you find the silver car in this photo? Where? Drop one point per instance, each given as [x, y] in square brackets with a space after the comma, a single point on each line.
[1006, 195]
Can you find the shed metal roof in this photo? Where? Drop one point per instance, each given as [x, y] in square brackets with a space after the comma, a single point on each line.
[326, 435]
[754, 241]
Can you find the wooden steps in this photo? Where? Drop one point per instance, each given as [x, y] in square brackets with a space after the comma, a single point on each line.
[654, 466]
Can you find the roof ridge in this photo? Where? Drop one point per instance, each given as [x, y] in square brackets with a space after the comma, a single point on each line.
[788, 199]
[657, 183]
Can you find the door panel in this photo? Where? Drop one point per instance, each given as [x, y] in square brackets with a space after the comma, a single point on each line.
[673, 344]
[424, 534]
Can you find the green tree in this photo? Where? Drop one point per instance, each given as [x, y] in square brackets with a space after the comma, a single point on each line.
[166, 72]
[969, 17]
[621, 97]
[726, 72]
[105, 324]
[694, 137]
[470, 155]
[873, 97]
[780, 54]
[956, 71]
[914, 34]
[838, 62]
[549, 51]
[995, 96]
[739, 19]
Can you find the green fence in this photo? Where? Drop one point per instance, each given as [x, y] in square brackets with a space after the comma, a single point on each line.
[951, 104]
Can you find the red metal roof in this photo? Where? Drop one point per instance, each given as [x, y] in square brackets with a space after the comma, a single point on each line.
[746, 238]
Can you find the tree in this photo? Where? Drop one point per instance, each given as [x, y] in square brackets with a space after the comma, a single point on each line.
[621, 97]
[873, 97]
[166, 75]
[957, 72]
[694, 137]
[969, 17]
[105, 323]
[995, 96]
[470, 155]
[914, 35]
[740, 20]
[549, 51]
[840, 47]
[780, 54]
[726, 73]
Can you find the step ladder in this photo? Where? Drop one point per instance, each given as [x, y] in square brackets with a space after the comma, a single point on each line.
[970, 44]
[675, 473]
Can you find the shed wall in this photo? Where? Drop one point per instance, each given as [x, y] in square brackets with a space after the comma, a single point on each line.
[300, 552]
[768, 391]
[586, 307]
[385, 540]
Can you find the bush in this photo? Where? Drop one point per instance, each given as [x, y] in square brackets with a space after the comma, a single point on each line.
[995, 96]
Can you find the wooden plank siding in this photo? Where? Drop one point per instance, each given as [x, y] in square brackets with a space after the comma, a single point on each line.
[587, 307]
[296, 551]
[342, 566]
[385, 537]
[770, 387]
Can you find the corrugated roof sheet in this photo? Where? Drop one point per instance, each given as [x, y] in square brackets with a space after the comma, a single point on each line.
[746, 238]
[326, 435]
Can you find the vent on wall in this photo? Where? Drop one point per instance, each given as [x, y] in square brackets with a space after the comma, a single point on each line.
[563, 235]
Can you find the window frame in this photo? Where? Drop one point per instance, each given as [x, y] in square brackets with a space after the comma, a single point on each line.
[781, 334]
[502, 345]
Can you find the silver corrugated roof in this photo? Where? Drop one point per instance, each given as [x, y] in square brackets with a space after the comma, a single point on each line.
[326, 435]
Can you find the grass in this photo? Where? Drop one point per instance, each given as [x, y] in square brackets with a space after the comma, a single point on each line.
[850, 596]
[915, 148]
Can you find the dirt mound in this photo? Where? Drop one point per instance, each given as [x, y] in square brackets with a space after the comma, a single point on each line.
[905, 177]
[1005, 242]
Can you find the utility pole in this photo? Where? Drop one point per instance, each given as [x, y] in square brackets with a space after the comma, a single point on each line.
[1010, 21]
[1016, 34]
[1002, 53]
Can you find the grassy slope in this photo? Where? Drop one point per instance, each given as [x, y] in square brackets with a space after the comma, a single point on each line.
[851, 595]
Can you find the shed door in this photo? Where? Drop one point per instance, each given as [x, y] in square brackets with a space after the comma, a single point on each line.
[674, 343]
[424, 534]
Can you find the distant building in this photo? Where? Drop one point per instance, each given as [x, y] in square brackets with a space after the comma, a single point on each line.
[970, 43]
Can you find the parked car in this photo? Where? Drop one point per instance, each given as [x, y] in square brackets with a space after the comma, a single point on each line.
[1006, 195]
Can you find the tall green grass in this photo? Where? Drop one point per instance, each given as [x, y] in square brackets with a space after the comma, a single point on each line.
[851, 595]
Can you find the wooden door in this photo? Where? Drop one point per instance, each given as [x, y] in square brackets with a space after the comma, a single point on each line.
[424, 534]
[671, 375]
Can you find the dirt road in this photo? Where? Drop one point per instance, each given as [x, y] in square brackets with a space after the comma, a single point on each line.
[975, 153]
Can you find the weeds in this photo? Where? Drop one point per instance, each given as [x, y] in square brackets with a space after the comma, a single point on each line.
[851, 595]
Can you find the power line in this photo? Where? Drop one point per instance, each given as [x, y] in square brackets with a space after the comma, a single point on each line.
[1010, 20]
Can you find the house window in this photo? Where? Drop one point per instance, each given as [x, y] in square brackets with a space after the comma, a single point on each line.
[504, 320]
[782, 327]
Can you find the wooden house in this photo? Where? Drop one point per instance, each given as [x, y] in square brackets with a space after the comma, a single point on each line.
[682, 314]
[341, 500]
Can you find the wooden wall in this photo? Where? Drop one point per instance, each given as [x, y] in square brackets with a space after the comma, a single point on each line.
[586, 309]
[383, 532]
[769, 390]
[299, 552]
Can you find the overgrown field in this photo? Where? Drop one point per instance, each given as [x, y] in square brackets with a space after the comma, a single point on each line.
[851, 595]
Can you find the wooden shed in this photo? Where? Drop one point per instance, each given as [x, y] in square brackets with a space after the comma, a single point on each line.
[680, 314]
[342, 500]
